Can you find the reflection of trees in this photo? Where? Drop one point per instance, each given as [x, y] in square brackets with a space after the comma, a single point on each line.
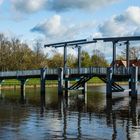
[12, 111]
[95, 102]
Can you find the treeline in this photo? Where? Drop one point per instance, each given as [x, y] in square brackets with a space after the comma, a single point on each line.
[16, 55]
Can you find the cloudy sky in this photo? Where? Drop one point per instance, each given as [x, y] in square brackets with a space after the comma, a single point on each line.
[60, 20]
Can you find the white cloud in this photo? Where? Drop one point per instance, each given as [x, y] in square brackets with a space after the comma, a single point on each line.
[63, 5]
[130, 16]
[54, 28]
[51, 27]
[29, 6]
[133, 13]
[112, 28]
[125, 24]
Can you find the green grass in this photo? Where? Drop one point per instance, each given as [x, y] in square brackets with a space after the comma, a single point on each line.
[29, 82]
[10, 82]
[49, 82]
[95, 80]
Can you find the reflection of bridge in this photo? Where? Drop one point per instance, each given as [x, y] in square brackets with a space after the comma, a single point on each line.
[107, 75]
[118, 113]
[115, 117]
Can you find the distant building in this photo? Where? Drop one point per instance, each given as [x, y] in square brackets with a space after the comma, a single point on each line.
[123, 63]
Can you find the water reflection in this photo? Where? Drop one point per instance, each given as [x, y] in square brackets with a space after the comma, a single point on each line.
[75, 116]
[22, 98]
[111, 110]
[65, 104]
[128, 113]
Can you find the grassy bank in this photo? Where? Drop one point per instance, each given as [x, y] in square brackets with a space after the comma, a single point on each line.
[31, 82]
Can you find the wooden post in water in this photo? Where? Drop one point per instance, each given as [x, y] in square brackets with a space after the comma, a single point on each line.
[22, 88]
[43, 80]
[134, 82]
[84, 90]
[67, 82]
[60, 81]
[109, 83]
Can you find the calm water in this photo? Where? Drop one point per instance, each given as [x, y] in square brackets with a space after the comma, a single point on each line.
[74, 117]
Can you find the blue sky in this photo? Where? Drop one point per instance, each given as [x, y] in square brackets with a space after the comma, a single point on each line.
[59, 20]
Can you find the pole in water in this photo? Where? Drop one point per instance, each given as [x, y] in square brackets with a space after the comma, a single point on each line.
[67, 82]
[134, 82]
[43, 80]
[109, 83]
[22, 88]
[60, 81]
[84, 90]
[43, 89]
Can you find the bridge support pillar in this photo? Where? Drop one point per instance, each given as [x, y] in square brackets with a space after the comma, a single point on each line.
[60, 81]
[84, 91]
[42, 82]
[67, 83]
[109, 83]
[22, 88]
[134, 82]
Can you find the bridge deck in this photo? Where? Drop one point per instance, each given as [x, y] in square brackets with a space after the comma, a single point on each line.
[52, 74]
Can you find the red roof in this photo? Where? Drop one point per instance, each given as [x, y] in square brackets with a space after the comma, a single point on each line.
[123, 63]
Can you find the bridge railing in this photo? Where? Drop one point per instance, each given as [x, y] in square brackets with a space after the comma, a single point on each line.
[90, 70]
[27, 73]
[52, 71]
[20, 73]
[8, 73]
[102, 70]
[122, 71]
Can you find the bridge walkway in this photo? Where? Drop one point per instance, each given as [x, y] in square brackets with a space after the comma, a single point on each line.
[107, 75]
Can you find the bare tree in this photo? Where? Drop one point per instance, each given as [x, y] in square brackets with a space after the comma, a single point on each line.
[134, 53]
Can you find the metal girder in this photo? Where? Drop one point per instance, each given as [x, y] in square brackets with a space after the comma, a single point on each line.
[94, 40]
[118, 39]
[61, 44]
[70, 43]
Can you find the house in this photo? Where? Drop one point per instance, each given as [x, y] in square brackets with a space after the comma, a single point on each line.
[123, 63]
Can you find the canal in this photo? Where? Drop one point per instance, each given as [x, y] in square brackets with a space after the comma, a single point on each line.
[75, 117]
